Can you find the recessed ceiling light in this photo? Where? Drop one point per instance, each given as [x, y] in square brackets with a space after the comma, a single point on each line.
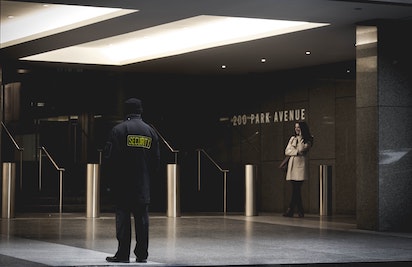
[29, 21]
[22, 71]
[307, 53]
[183, 36]
[263, 60]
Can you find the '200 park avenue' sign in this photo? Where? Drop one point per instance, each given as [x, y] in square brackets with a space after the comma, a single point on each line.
[268, 117]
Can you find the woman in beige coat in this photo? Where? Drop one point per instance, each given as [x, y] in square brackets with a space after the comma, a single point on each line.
[298, 167]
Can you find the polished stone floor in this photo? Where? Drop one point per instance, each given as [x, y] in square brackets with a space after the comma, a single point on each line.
[71, 239]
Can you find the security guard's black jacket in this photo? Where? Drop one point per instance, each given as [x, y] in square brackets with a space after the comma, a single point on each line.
[132, 155]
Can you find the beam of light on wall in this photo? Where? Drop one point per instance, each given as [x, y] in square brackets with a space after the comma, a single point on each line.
[366, 35]
[392, 156]
[183, 36]
[23, 21]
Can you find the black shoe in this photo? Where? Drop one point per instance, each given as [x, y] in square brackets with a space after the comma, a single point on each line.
[141, 260]
[116, 259]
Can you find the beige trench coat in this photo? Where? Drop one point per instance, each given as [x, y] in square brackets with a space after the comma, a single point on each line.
[298, 166]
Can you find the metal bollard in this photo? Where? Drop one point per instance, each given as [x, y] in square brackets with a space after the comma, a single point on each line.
[8, 192]
[250, 190]
[325, 190]
[173, 190]
[93, 191]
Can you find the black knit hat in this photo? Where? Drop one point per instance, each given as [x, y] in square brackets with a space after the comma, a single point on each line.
[133, 106]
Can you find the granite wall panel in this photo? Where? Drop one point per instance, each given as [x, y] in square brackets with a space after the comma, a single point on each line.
[395, 126]
[366, 168]
[345, 171]
[322, 120]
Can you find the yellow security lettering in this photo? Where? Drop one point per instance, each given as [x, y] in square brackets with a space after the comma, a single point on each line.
[139, 141]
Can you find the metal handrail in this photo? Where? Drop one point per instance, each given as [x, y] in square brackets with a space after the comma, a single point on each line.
[166, 143]
[20, 149]
[220, 169]
[100, 151]
[60, 170]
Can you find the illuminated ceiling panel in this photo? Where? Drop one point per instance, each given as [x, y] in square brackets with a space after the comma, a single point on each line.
[23, 21]
[183, 36]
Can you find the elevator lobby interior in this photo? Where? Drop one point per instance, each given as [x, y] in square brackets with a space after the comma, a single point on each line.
[342, 66]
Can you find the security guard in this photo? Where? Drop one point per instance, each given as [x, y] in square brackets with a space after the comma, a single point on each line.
[132, 156]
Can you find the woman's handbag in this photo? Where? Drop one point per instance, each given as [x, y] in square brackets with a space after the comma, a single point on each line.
[284, 164]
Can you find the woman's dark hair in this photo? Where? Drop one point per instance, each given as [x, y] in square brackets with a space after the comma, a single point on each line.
[306, 135]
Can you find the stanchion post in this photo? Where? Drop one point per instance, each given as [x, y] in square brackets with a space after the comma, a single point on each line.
[325, 190]
[173, 190]
[8, 190]
[250, 190]
[93, 191]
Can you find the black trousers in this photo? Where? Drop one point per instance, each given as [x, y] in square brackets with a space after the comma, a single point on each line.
[124, 231]
[296, 200]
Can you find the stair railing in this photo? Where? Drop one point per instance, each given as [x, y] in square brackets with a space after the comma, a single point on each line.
[20, 149]
[60, 170]
[199, 151]
[174, 151]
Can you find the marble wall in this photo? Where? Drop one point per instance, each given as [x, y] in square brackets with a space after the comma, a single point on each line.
[366, 127]
[384, 122]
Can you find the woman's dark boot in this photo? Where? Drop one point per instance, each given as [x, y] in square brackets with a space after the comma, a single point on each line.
[288, 213]
[301, 214]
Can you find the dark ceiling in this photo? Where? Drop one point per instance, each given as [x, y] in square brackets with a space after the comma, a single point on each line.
[334, 43]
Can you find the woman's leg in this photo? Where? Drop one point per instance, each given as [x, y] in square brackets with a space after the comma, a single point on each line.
[296, 200]
[297, 195]
[291, 209]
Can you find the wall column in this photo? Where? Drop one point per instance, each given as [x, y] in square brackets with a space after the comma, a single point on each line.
[384, 126]
[1, 110]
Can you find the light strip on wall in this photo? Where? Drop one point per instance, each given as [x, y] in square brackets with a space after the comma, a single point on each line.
[22, 21]
[183, 36]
